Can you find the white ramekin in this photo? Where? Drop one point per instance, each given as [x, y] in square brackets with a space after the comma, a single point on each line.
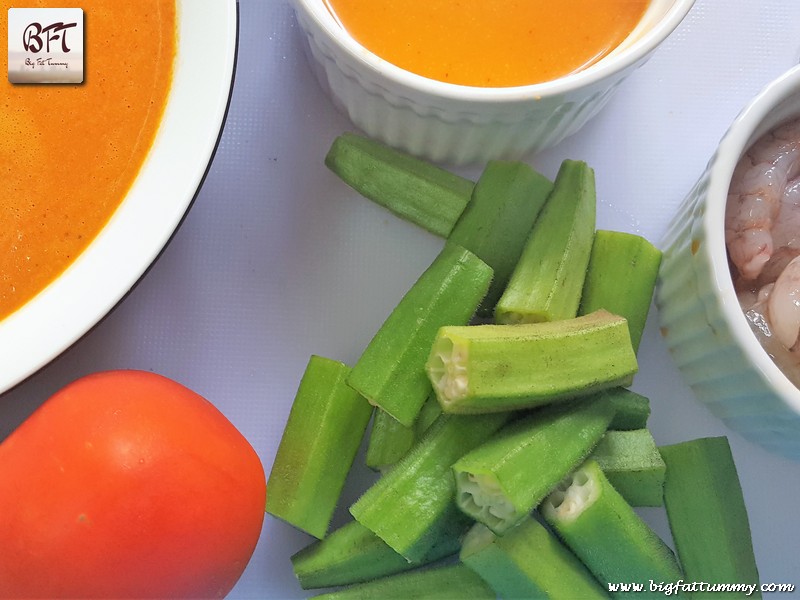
[701, 321]
[462, 124]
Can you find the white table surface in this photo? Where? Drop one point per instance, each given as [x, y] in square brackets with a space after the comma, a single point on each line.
[278, 260]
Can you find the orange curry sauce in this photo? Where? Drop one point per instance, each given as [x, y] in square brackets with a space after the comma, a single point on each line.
[69, 153]
[489, 43]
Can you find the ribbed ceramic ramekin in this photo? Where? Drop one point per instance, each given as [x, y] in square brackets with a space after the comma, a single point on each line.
[462, 124]
[701, 320]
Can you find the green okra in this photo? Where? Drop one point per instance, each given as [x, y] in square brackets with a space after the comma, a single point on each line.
[632, 410]
[391, 370]
[633, 465]
[411, 188]
[605, 533]
[487, 368]
[441, 583]
[621, 278]
[428, 414]
[547, 282]
[413, 503]
[390, 441]
[353, 554]
[707, 513]
[323, 433]
[500, 482]
[495, 224]
[528, 562]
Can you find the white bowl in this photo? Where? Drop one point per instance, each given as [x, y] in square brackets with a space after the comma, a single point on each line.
[154, 207]
[701, 320]
[462, 124]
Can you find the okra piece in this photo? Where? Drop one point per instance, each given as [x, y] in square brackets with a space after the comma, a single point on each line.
[528, 562]
[353, 554]
[547, 282]
[605, 533]
[412, 505]
[391, 371]
[322, 435]
[489, 368]
[390, 441]
[632, 410]
[495, 224]
[633, 465]
[500, 482]
[621, 278]
[441, 583]
[428, 414]
[413, 189]
[707, 514]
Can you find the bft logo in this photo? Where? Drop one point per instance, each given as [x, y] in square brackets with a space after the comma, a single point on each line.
[45, 45]
[32, 39]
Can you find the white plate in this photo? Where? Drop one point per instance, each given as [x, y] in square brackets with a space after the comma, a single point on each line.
[154, 207]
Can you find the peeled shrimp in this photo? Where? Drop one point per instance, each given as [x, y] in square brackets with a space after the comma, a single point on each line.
[762, 183]
[787, 361]
[775, 307]
[783, 305]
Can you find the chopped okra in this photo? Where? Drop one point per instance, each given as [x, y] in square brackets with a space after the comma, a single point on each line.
[490, 368]
[528, 562]
[391, 371]
[412, 504]
[501, 481]
[548, 279]
[707, 513]
[604, 531]
[306, 479]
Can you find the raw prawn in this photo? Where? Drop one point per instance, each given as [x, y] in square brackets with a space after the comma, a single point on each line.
[763, 208]
[783, 305]
[756, 310]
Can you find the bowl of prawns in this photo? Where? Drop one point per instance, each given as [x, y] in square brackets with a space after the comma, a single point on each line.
[728, 294]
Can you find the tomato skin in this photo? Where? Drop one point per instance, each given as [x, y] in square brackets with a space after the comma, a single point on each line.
[125, 484]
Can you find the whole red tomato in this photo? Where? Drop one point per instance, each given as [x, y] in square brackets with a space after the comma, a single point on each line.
[126, 484]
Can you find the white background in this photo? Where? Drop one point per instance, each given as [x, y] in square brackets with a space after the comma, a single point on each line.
[278, 259]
